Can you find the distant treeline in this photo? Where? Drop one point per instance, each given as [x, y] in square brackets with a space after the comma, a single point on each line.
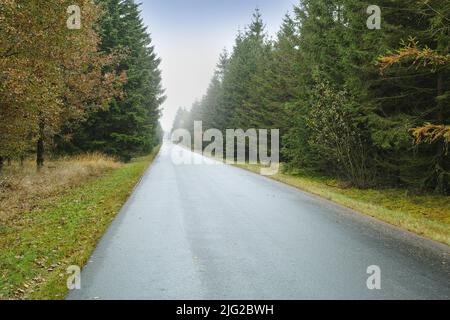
[65, 90]
[371, 107]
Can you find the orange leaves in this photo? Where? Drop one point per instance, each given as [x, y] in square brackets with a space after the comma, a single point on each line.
[431, 133]
[410, 52]
[425, 57]
[48, 72]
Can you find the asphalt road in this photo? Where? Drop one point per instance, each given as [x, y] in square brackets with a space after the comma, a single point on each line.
[212, 231]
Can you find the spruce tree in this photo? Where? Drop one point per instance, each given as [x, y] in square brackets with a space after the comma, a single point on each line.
[129, 125]
[237, 80]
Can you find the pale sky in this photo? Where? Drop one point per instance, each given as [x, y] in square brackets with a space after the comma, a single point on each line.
[189, 36]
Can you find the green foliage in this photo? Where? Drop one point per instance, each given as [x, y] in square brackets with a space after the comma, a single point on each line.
[51, 77]
[336, 136]
[38, 246]
[339, 111]
[426, 214]
[129, 125]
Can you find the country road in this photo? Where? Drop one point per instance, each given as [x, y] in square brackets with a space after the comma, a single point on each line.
[218, 232]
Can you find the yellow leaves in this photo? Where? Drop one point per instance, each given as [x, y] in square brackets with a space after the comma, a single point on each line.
[410, 52]
[47, 72]
[430, 133]
[425, 57]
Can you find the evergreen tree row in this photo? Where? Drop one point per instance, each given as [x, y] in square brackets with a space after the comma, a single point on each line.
[129, 124]
[371, 107]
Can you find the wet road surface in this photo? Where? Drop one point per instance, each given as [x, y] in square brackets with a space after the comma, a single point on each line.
[213, 231]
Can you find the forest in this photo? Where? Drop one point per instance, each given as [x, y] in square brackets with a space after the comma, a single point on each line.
[368, 106]
[360, 94]
[66, 91]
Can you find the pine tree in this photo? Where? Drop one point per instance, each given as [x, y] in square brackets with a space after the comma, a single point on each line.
[237, 80]
[211, 112]
[129, 125]
[320, 83]
[182, 120]
[421, 98]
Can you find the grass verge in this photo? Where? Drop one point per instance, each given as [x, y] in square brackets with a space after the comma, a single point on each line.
[38, 246]
[425, 215]
[23, 188]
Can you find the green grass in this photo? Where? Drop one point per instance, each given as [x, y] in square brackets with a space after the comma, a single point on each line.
[426, 215]
[37, 248]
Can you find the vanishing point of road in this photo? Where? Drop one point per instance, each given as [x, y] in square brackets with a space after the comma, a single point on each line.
[214, 231]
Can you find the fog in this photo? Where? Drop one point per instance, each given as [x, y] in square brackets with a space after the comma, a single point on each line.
[189, 36]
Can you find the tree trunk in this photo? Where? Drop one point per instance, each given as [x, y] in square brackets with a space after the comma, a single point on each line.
[440, 92]
[40, 146]
[1, 163]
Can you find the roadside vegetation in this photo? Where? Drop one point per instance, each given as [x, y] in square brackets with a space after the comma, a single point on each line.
[369, 107]
[91, 89]
[41, 236]
[427, 215]
[68, 133]
[23, 188]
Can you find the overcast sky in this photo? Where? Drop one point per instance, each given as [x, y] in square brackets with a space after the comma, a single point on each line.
[189, 36]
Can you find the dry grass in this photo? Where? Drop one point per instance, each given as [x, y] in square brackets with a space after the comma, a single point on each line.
[23, 188]
[37, 246]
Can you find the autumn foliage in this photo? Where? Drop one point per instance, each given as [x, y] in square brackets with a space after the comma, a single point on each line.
[50, 75]
[432, 133]
[410, 52]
